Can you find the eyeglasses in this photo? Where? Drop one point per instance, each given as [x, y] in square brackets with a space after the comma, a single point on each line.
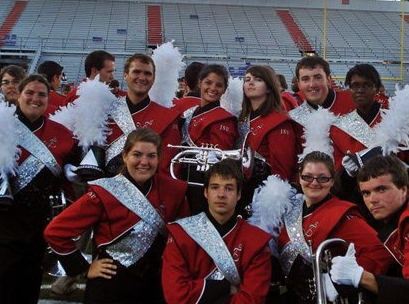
[357, 86]
[319, 179]
[7, 82]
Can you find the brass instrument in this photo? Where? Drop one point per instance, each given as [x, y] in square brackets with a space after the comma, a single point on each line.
[207, 155]
[321, 261]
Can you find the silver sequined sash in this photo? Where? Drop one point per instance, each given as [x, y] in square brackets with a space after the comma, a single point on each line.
[188, 114]
[300, 113]
[130, 249]
[356, 127]
[40, 157]
[201, 230]
[123, 118]
[297, 244]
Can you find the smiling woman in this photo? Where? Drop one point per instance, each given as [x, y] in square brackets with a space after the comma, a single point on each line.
[33, 96]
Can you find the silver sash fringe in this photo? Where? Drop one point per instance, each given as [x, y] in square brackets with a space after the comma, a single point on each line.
[356, 127]
[187, 115]
[202, 231]
[297, 244]
[123, 118]
[133, 247]
[300, 113]
[39, 158]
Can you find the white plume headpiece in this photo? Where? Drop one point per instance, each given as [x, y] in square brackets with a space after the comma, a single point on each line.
[316, 132]
[392, 133]
[168, 62]
[271, 201]
[232, 99]
[87, 117]
[9, 152]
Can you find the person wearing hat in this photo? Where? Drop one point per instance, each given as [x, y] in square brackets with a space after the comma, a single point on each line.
[114, 87]
[53, 72]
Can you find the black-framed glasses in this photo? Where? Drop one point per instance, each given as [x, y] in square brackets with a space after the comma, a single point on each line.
[364, 86]
[320, 179]
[7, 82]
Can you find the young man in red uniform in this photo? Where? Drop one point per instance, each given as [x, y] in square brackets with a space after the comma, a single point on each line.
[96, 63]
[53, 72]
[314, 82]
[383, 182]
[137, 110]
[216, 257]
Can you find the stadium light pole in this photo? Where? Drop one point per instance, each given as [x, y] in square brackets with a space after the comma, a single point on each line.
[402, 37]
[324, 38]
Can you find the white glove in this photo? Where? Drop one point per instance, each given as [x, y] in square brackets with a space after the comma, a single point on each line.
[345, 270]
[70, 173]
[330, 290]
[350, 167]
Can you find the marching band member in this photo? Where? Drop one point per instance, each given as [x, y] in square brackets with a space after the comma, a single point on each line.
[309, 219]
[215, 256]
[267, 129]
[209, 125]
[314, 82]
[128, 213]
[383, 182]
[45, 147]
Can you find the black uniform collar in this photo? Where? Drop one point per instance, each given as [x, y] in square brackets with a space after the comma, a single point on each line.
[255, 113]
[143, 188]
[327, 102]
[307, 210]
[206, 108]
[193, 94]
[372, 113]
[226, 227]
[31, 125]
[137, 107]
[391, 225]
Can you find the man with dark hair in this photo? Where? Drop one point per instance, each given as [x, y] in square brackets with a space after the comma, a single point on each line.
[114, 87]
[54, 74]
[192, 93]
[10, 78]
[215, 256]
[96, 63]
[383, 182]
[314, 82]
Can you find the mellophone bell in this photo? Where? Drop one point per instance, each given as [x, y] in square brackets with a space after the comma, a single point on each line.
[192, 161]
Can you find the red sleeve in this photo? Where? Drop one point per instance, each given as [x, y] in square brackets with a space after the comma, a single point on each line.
[256, 280]
[282, 145]
[72, 222]
[370, 252]
[179, 285]
[223, 133]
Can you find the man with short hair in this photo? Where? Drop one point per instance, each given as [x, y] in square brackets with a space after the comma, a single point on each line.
[314, 82]
[215, 256]
[96, 63]
[10, 78]
[383, 182]
[54, 73]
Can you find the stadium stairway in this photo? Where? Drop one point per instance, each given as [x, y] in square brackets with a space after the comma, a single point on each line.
[154, 25]
[12, 18]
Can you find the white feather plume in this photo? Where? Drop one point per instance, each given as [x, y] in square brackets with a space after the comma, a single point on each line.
[9, 152]
[271, 201]
[316, 132]
[232, 99]
[92, 109]
[392, 133]
[87, 117]
[169, 62]
[65, 116]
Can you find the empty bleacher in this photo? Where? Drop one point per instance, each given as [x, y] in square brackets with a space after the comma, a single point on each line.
[231, 34]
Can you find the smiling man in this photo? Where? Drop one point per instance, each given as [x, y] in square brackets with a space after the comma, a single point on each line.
[314, 82]
[215, 256]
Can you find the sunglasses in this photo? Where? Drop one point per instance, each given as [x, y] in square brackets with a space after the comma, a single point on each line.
[319, 179]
